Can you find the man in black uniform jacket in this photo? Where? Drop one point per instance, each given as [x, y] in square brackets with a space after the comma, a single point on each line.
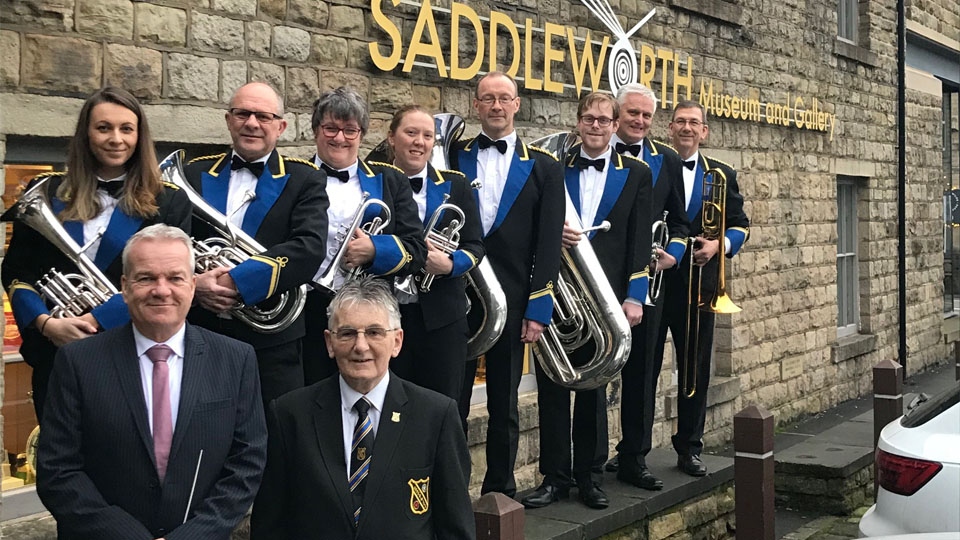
[282, 204]
[522, 206]
[642, 371]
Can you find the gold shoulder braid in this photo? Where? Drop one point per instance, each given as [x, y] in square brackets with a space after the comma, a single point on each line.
[542, 151]
[201, 158]
[171, 185]
[303, 161]
[450, 171]
[389, 165]
[720, 162]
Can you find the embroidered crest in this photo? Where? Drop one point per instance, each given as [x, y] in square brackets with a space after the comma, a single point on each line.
[361, 453]
[419, 495]
[395, 417]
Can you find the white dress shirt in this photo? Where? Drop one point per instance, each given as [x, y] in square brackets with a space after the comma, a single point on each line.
[592, 183]
[92, 226]
[175, 367]
[421, 198]
[242, 190]
[492, 169]
[344, 199]
[349, 417]
[616, 139]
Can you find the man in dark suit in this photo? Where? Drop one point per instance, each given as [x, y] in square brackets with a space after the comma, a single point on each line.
[522, 206]
[340, 120]
[281, 203]
[153, 429]
[688, 128]
[364, 455]
[639, 377]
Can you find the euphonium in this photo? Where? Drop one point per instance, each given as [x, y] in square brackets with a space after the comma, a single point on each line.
[231, 248]
[70, 295]
[713, 220]
[335, 276]
[586, 310]
[661, 235]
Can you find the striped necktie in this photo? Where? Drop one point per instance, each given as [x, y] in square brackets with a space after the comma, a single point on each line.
[360, 452]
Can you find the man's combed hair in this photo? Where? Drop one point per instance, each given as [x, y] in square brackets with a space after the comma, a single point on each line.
[368, 290]
[691, 104]
[158, 231]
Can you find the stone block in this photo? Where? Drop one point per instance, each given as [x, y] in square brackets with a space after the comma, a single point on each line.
[37, 115]
[291, 43]
[313, 13]
[290, 133]
[329, 51]
[233, 75]
[192, 77]
[303, 87]
[258, 38]
[346, 19]
[427, 96]
[389, 95]
[335, 79]
[211, 33]
[274, 8]
[304, 127]
[59, 64]
[358, 56]
[271, 74]
[188, 124]
[9, 58]
[106, 18]
[136, 69]
[161, 25]
[49, 14]
[235, 7]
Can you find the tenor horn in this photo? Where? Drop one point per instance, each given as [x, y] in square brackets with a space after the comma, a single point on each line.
[231, 248]
[335, 276]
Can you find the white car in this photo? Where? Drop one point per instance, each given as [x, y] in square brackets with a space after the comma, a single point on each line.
[918, 469]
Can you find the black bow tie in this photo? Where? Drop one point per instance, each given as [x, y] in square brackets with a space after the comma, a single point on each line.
[416, 183]
[255, 167]
[112, 188]
[486, 142]
[331, 172]
[692, 164]
[585, 163]
[634, 149]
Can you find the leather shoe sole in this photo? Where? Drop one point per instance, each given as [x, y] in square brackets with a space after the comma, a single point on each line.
[594, 497]
[692, 465]
[545, 495]
[613, 465]
[642, 478]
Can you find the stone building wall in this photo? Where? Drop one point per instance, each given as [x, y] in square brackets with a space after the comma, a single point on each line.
[184, 58]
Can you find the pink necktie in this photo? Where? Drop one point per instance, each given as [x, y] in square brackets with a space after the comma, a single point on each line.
[162, 418]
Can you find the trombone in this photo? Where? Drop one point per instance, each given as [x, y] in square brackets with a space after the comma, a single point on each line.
[714, 227]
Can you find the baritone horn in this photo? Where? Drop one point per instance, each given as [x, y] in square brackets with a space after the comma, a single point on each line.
[714, 226]
[661, 235]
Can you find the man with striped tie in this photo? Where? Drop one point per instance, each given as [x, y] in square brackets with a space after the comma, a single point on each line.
[361, 455]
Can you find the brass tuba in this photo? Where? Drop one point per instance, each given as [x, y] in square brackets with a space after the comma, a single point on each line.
[586, 309]
[335, 276]
[713, 220]
[70, 295]
[661, 235]
[231, 248]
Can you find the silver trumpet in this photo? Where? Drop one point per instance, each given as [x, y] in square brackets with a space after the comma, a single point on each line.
[335, 275]
[661, 235]
[70, 295]
[231, 248]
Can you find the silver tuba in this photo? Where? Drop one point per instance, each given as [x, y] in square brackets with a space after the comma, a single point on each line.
[661, 235]
[231, 248]
[70, 295]
[335, 276]
[586, 309]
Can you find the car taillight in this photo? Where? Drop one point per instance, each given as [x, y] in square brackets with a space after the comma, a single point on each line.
[903, 475]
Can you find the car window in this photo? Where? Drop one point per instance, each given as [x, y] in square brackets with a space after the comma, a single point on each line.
[923, 412]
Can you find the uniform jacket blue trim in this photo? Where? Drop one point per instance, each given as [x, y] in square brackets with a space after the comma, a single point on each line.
[26, 304]
[696, 198]
[653, 159]
[120, 228]
[389, 254]
[112, 313]
[612, 188]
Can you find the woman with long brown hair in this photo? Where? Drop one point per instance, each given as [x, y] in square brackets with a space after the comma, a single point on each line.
[111, 189]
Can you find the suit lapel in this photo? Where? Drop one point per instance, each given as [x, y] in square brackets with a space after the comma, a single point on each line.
[696, 197]
[193, 374]
[389, 432]
[127, 366]
[121, 227]
[371, 183]
[653, 158]
[269, 186]
[520, 168]
[436, 188]
[327, 421]
[74, 228]
[571, 178]
[612, 188]
[216, 182]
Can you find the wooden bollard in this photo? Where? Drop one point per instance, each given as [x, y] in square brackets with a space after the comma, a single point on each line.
[753, 473]
[498, 517]
[887, 400]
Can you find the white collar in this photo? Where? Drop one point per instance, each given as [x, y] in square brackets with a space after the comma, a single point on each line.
[176, 341]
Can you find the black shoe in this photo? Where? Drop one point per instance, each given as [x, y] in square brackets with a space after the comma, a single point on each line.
[691, 464]
[592, 496]
[545, 495]
[613, 465]
[640, 477]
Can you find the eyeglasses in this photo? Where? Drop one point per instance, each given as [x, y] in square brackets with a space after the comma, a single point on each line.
[602, 120]
[372, 333]
[694, 123]
[349, 133]
[502, 100]
[263, 117]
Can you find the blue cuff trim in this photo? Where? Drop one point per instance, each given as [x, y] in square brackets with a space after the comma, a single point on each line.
[637, 289]
[112, 313]
[737, 237]
[26, 304]
[390, 255]
[463, 262]
[256, 279]
[540, 305]
[676, 248]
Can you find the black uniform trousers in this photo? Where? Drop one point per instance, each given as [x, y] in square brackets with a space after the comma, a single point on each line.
[434, 359]
[638, 390]
[317, 364]
[691, 412]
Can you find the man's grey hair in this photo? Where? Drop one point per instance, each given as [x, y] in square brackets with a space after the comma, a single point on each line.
[342, 104]
[276, 95]
[636, 88]
[368, 290]
[158, 231]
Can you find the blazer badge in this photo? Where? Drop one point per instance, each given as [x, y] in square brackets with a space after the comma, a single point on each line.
[419, 495]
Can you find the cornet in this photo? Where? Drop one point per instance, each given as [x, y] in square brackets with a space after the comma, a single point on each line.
[336, 275]
[661, 235]
[447, 240]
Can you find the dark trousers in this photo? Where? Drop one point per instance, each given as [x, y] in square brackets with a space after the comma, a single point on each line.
[39, 382]
[504, 363]
[317, 364]
[434, 359]
[639, 386]
[691, 412]
[589, 433]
